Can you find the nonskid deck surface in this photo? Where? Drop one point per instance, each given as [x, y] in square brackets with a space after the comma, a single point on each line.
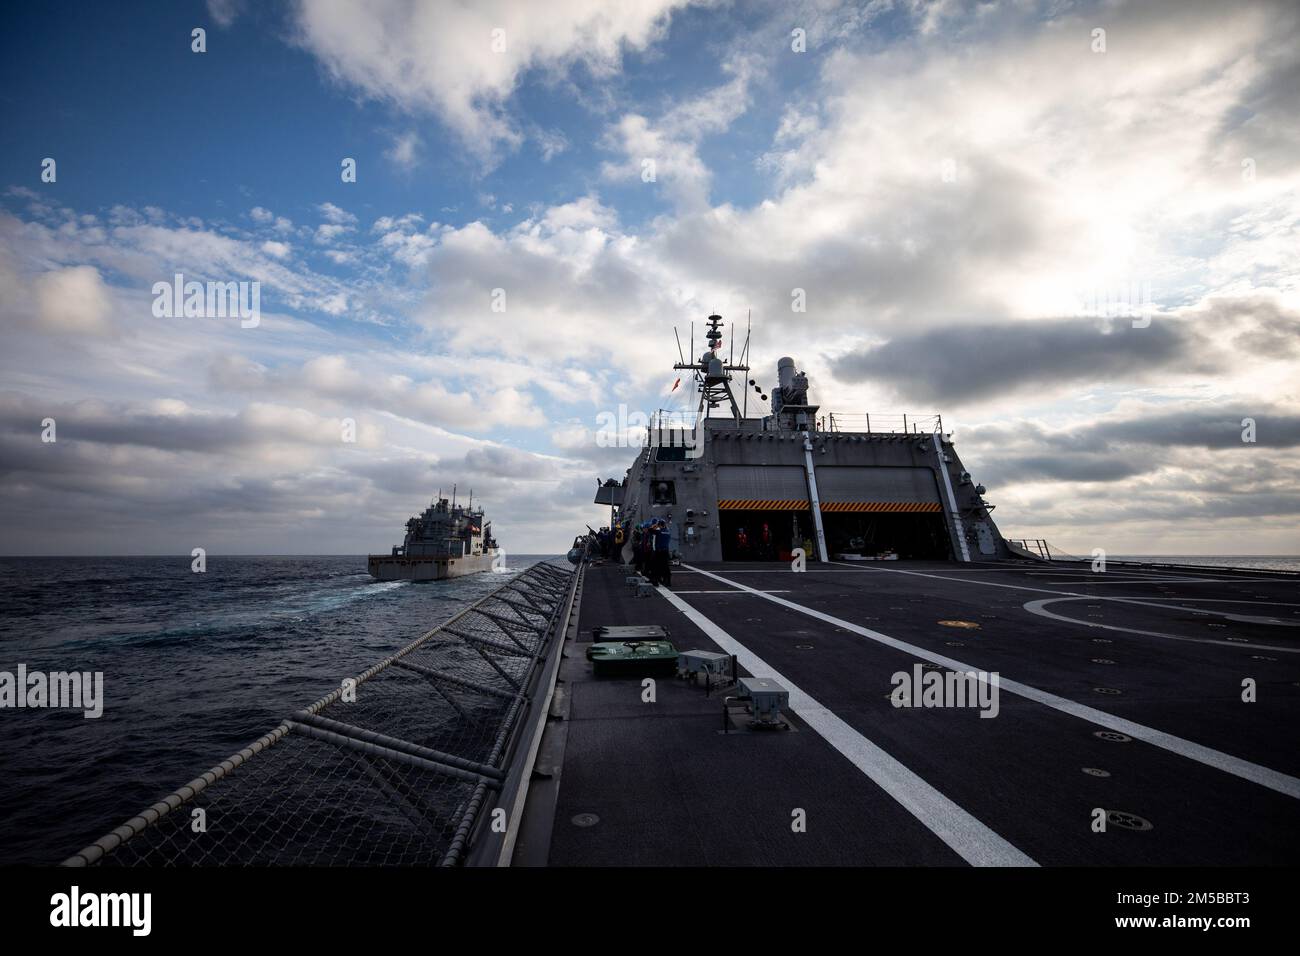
[1218, 779]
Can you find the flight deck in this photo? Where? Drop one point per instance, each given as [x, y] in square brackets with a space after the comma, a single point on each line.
[1164, 700]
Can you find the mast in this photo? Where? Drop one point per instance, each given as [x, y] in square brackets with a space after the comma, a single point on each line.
[712, 373]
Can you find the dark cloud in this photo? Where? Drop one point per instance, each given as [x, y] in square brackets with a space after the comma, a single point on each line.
[1116, 450]
[972, 362]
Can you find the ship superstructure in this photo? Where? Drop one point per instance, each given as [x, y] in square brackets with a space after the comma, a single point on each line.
[836, 486]
[445, 541]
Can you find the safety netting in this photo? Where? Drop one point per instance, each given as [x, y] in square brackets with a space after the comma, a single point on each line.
[394, 771]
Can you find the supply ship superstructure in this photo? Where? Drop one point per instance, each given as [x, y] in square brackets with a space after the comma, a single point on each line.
[446, 541]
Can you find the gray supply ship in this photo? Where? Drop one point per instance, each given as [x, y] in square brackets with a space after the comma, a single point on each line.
[446, 541]
[849, 665]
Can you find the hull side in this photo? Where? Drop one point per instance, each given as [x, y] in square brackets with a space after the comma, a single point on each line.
[384, 567]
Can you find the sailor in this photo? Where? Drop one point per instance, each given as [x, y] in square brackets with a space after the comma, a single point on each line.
[660, 568]
[742, 544]
[638, 548]
[765, 543]
[620, 536]
[647, 549]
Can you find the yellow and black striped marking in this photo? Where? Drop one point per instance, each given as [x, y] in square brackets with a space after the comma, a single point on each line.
[795, 504]
[762, 504]
[893, 506]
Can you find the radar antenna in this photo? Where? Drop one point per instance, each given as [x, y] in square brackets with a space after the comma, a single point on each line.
[713, 374]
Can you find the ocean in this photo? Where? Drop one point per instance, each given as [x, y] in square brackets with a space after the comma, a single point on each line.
[196, 666]
[1257, 562]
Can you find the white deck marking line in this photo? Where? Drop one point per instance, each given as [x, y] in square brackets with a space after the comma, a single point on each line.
[777, 569]
[1255, 773]
[1107, 579]
[968, 837]
[730, 591]
[1023, 587]
[1039, 607]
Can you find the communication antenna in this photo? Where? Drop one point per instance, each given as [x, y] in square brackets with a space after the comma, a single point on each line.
[679, 345]
[744, 354]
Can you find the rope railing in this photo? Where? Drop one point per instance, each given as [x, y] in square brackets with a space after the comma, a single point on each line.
[393, 769]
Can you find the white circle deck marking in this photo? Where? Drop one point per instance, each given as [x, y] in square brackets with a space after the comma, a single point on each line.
[1039, 607]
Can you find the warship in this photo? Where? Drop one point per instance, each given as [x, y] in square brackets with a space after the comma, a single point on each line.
[801, 640]
[868, 672]
[446, 541]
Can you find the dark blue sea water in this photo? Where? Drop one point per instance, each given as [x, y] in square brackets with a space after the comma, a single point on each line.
[196, 666]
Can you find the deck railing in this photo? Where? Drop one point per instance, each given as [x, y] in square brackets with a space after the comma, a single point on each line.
[867, 422]
[400, 774]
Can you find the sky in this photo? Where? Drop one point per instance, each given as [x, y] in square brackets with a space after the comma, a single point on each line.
[1069, 228]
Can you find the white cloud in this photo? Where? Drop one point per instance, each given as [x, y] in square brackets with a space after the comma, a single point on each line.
[439, 56]
[550, 143]
[671, 143]
[327, 233]
[405, 150]
[225, 12]
[334, 214]
[73, 300]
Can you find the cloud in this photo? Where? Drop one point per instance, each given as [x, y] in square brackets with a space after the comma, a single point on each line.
[940, 186]
[326, 233]
[668, 148]
[73, 300]
[550, 143]
[336, 381]
[439, 57]
[225, 12]
[334, 214]
[405, 150]
[973, 362]
[1139, 441]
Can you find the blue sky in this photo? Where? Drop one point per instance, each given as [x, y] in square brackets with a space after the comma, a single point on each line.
[945, 181]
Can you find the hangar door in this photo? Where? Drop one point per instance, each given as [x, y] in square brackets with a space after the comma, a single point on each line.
[873, 510]
[762, 511]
